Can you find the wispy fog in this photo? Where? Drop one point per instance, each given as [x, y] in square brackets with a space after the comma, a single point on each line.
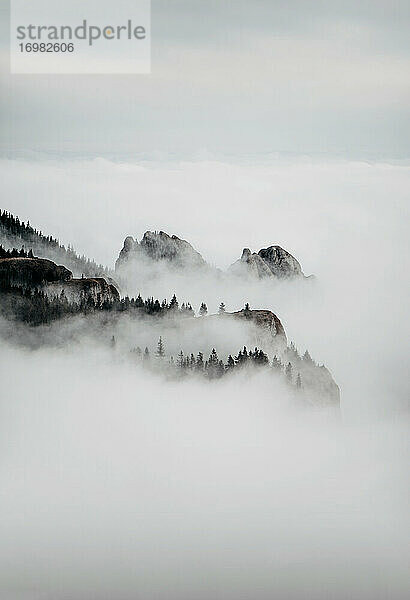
[116, 483]
[346, 222]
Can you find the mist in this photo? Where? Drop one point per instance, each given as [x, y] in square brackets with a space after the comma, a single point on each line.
[120, 483]
[117, 484]
[345, 221]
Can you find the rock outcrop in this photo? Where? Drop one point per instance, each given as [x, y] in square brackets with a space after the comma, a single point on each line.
[273, 261]
[269, 262]
[159, 246]
[251, 264]
[281, 263]
[96, 289]
[32, 271]
[265, 319]
[264, 328]
[45, 274]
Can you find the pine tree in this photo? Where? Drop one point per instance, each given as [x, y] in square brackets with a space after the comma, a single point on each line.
[307, 358]
[173, 305]
[180, 360]
[298, 382]
[231, 363]
[276, 363]
[160, 348]
[288, 371]
[199, 365]
[222, 308]
[203, 310]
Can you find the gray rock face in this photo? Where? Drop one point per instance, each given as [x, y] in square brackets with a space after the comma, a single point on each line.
[281, 263]
[45, 274]
[32, 271]
[251, 264]
[159, 246]
[268, 262]
[96, 288]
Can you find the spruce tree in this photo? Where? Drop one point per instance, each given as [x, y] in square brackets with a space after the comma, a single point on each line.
[180, 359]
[173, 305]
[160, 348]
[203, 310]
[231, 363]
[199, 365]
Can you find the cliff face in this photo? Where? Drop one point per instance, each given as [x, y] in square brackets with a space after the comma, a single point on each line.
[159, 246]
[97, 289]
[265, 319]
[45, 274]
[251, 264]
[273, 261]
[263, 328]
[32, 271]
[281, 263]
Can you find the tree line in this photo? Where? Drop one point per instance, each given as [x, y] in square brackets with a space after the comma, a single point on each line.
[15, 253]
[214, 367]
[11, 226]
[34, 306]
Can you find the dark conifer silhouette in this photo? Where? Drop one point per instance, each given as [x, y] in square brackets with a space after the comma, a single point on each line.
[203, 309]
[160, 348]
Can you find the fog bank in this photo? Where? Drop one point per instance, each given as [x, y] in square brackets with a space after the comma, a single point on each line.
[115, 484]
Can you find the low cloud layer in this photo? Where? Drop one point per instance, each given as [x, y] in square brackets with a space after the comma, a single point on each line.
[115, 484]
[344, 221]
[118, 483]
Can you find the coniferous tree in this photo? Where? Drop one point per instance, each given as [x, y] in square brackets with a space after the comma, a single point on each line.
[307, 358]
[203, 310]
[298, 381]
[222, 308]
[276, 364]
[230, 364]
[199, 365]
[173, 305]
[289, 371]
[160, 348]
[180, 359]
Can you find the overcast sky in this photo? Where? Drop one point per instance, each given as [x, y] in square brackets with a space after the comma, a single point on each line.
[233, 77]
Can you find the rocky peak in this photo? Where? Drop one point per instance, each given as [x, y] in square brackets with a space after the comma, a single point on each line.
[281, 263]
[159, 246]
[254, 264]
[273, 261]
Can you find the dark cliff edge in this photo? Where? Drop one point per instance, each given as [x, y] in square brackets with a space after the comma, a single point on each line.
[44, 274]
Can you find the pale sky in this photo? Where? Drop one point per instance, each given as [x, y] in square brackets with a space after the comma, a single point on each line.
[236, 78]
